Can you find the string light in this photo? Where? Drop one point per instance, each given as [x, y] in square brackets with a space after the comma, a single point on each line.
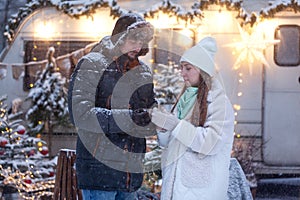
[34, 190]
[237, 107]
[44, 30]
[30, 182]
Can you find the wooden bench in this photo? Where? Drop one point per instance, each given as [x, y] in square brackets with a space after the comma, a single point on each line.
[65, 181]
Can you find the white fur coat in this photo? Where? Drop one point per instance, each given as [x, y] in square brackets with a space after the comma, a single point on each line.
[195, 161]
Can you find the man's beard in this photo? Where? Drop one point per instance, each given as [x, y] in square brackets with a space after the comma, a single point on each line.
[130, 57]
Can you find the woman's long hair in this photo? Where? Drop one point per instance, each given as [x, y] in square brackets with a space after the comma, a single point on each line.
[200, 109]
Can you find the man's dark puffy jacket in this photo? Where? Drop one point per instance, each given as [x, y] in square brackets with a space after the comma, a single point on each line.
[108, 103]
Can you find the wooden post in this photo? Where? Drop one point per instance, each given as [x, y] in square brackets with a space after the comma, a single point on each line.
[65, 181]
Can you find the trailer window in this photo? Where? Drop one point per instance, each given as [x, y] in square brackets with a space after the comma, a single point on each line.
[36, 51]
[287, 52]
[169, 44]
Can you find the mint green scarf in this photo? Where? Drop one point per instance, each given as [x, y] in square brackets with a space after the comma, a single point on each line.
[186, 101]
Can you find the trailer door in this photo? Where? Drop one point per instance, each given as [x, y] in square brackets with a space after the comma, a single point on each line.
[281, 133]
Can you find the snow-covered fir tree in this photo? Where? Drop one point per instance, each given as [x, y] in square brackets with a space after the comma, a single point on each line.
[167, 83]
[24, 164]
[48, 97]
[245, 150]
[152, 169]
[152, 163]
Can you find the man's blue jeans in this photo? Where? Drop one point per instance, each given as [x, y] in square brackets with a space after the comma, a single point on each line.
[108, 195]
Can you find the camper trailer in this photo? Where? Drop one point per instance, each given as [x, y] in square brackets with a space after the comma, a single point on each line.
[258, 58]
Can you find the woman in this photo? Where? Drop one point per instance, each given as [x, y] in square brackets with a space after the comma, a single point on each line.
[198, 136]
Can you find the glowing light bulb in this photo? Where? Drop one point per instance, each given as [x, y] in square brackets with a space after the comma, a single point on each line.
[45, 30]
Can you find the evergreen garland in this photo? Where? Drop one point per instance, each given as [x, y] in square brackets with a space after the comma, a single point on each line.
[77, 8]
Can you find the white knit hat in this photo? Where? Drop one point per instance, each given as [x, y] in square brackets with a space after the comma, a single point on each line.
[202, 55]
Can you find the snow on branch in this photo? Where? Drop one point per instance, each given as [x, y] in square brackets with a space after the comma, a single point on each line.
[77, 8]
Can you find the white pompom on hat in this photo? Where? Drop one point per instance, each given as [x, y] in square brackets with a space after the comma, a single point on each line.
[202, 55]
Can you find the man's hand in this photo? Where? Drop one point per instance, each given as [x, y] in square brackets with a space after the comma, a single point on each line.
[164, 120]
[141, 117]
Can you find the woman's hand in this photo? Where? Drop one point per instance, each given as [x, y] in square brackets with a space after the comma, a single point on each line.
[164, 120]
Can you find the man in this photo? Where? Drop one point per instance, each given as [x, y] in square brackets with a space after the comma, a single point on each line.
[109, 94]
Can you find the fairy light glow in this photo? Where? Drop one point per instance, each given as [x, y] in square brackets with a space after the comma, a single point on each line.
[236, 107]
[27, 187]
[93, 28]
[163, 20]
[45, 30]
[96, 25]
[222, 20]
[187, 32]
[20, 166]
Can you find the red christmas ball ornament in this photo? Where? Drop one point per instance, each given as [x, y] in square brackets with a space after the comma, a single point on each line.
[28, 181]
[21, 130]
[51, 174]
[44, 151]
[3, 143]
[31, 152]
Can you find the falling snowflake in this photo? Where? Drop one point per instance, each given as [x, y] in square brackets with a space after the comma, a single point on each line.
[251, 48]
